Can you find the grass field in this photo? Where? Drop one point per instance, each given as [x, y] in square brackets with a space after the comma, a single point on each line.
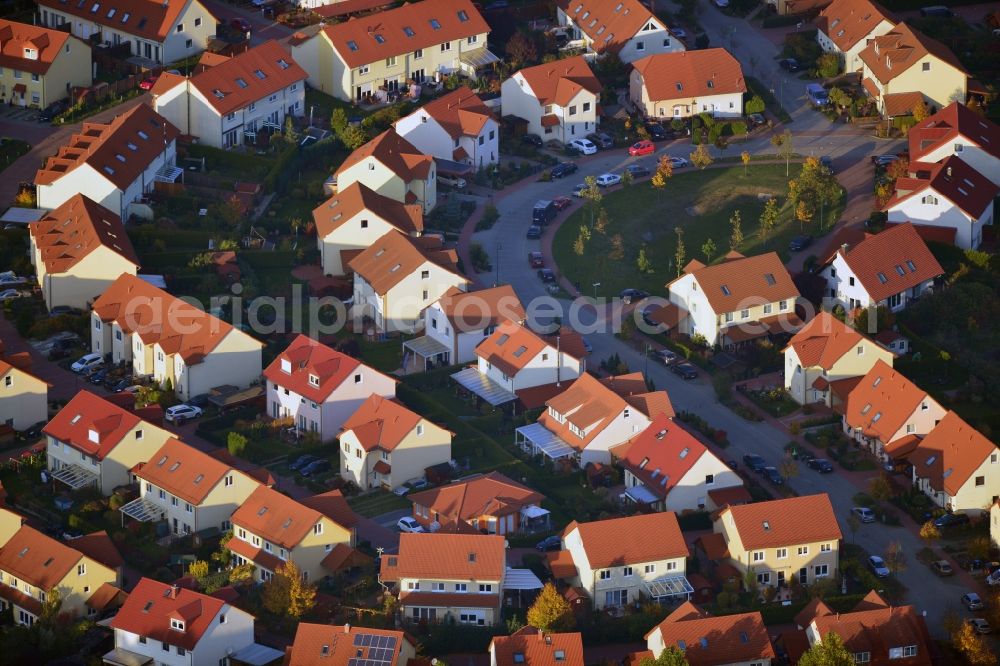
[700, 203]
[10, 150]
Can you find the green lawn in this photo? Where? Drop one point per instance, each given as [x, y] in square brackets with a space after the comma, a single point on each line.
[10, 150]
[699, 202]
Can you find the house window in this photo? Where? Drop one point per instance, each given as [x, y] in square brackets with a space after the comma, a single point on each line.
[862, 657]
[824, 548]
[803, 550]
[437, 587]
[649, 568]
[177, 624]
[821, 570]
[418, 54]
[980, 481]
[197, 22]
[364, 69]
[627, 571]
[764, 578]
[445, 46]
[758, 556]
[8, 381]
[709, 479]
[413, 585]
[461, 587]
[180, 27]
[572, 110]
[81, 569]
[485, 587]
[420, 429]
[767, 309]
[425, 275]
[605, 574]
[616, 597]
[640, 46]
[926, 66]
[472, 39]
[390, 61]
[782, 553]
[744, 314]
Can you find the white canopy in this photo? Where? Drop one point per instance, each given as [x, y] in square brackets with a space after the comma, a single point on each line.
[521, 579]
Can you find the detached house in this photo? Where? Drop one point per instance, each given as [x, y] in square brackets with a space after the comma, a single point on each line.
[531, 647]
[668, 469]
[229, 99]
[735, 301]
[442, 577]
[397, 277]
[949, 194]
[904, 67]
[384, 444]
[592, 416]
[887, 413]
[709, 640]
[825, 357]
[686, 83]
[94, 442]
[320, 644]
[624, 27]
[619, 560]
[957, 466]
[318, 388]
[885, 270]
[114, 164]
[393, 167]
[24, 398]
[456, 127]
[190, 490]
[958, 130]
[778, 540]
[270, 529]
[170, 340]
[174, 625]
[78, 250]
[846, 27]
[558, 100]
[482, 502]
[366, 58]
[40, 66]
[354, 218]
[159, 32]
[456, 323]
[34, 566]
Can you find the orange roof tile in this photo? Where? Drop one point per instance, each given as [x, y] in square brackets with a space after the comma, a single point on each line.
[324, 644]
[687, 74]
[511, 347]
[950, 453]
[561, 565]
[400, 31]
[150, 19]
[306, 359]
[491, 494]
[890, 262]
[394, 256]
[661, 455]
[255, 554]
[479, 557]
[357, 198]
[119, 151]
[184, 471]
[901, 104]
[460, 112]
[945, 126]
[622, 541]
[37, 558]
[532, 647]
[276, 517]
[68, 234]
[452, 600]
[334, 506]
[900, 449]
[609, 24]
[824, 341]
[783, 522]
[16, 38]
[381, 423]
[880, 404]
[847, 22]
[92, 425]
[99, 547]
[396, 153]
[107, 596]
[151, 606]
[714, 545]
[587, 405]
[740, 282]
[953, 179]
[470, 311]
[891, 54]
[349, 7]
[708, 640]
[558, 82]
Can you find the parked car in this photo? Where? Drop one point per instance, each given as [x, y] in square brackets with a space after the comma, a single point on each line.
[684, 370]
[302, 461]
[148, 82]
[637, 170]
[601, 140]
[121, 385]
[647, 315]
[562, 202]
[535, 259]
[884, 160]
[583, 146]
[864, 514]
[630, 295]
[578, 189]
[608, 179]
[534, 231]
[942, 568]
[544, 212]
[972, 601]
[98, 376]
[936, 10]
[49, 113]
[773, 476]
[800, 242]
[677, 32]
[241, 25]
[789, 64]
[721, 4]
[532, 139]
[817, 94]
[878, 567]
[563, 169]
[546, 275]
[821, 465]
[979, 625]
[668, 357]
[657, 131]
[951, 520]
[754, 462]
[826, 162]
[643, 147]
[32, 432]
[315, 467]
[452, 181]
[553, 542]
[60, 310]
[180, 413]
[87, 362]
[756, 120]
[409, 524]
[678, 162]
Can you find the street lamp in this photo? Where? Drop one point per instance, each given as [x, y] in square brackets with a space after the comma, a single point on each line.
[595, 285]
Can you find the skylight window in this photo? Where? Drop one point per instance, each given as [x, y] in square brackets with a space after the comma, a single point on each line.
[408, 31]
[132, 146]
[877, 416]
[160, 462]
[218, 93]
[435, 24]
[867, 408]
[142, 22]
[262, 511]
[680, 86]
[682, 644]
[711, 83]
[911, 266]
[242, 83]
[125, 17]
[379, 38]
[503, 338]
[111, 12]
[899, 269]
[882, 278]
[93, 10]
[175, 466]
[198, 479]
[143, 135]
[283, 64]
[463, 16]
[769, 277]
[353, 45]
[259, 74]
[109, 170]
[725, 291]
[930, 461]
[120, 157]
[520, 350]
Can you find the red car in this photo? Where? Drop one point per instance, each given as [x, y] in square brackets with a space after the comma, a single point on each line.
[562, 202]
[642, 148]
[535, 259]
[148, 82]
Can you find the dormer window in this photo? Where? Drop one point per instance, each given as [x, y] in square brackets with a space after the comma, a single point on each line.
[286, 366]
[313, 380]
[176, 625]
[30, 54]
[93, 436]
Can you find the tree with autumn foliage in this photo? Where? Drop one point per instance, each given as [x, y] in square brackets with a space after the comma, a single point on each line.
[286, 594]
[972, 646]
[671, 656]
[830, 651]
[701, 158]
[550, 612]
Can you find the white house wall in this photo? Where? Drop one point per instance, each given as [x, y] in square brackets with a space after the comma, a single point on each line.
[944, 213]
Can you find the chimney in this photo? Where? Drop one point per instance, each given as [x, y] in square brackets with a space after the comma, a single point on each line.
[347, 628]
[174, 591]
[948, 172]
[845, 247]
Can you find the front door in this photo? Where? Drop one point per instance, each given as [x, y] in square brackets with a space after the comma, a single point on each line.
[804, 575]
[175, 527]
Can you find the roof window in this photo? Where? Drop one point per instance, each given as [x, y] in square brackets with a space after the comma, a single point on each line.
[93, 10]
[259, 74]
[125, 17]
[520, 350]
[111, 12]
[175, 466]
[769, 277]
[242, 83]
[159, 463]
[435, 24]
[283, 64]
[379, 38]
[882, 278]
[198, 479]
[120, 157]
[463, 16]
[353, 45]
[143, 135]
[899, 269]
[142, 22]
[503, 338]
[408, 31]
[911, 266]
[261, 511]
[725, 291]
[218, 93]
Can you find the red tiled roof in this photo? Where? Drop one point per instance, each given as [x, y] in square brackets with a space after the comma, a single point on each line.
[478, 557]
[532, 647]
[882, 262]
[622, 541]
[37, 558]
[661, 455]
[871, 88]
[945, 235]
[902, 104]
[670, 315]
[903, 47]
[714, 545]
[151, 606]
[882, 401]
[558, 82]
[396, 153]
[708, 640]
[149, 19]
[824, 341]
[561, 564]
[783, 522]
[21, 600]
[609, 24]
[445, 600]
[474, 310]
[47, 44]
[99, 547]
[953, 179]
[357, 198]
[381, 423]
[460, 112]
[740, 282]
[731, 495]
[689, 74]
[491, 494]
[945, 126]
[847, 22]
[92, 425]
[106, 596]
[589, 405]
[326, 645]
[950, 454]
[334, 506]
[511, 347]
[255, 554]
[184, 471]
[342, 556]
[900, 449]
[395, 256]
[308, 358]
[276, 517]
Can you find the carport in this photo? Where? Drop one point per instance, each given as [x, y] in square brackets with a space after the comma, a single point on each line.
[75, 476]
[476, 382]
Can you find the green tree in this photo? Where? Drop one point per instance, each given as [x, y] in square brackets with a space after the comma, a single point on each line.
[709, 249]
[930, 533]
[291, 135]
[353, 137]
[853, 524]
[51, 607]
[679, 252]
[236, 443]
[700, 157]
[592, 197]
[643, 263]
[198, 569]
[736, 233]
[231, 212]
[602, 221]
[786, 147]
[664, 172]
[579, 246]
[285, 594]
[788, 468]
[803, 213]
[550, 612]
[768, 219]
[813, 185]
[828, 65]
[895, 557]
[521, 49]
[755, 105]
[828, 652]
[839, 98]
[295, 223]
[627, 178]
[920, 111]
[972, 646]
[879, 488]
[671, 656]
[338, 121]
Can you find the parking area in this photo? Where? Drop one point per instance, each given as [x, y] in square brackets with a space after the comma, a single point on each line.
[21, 113]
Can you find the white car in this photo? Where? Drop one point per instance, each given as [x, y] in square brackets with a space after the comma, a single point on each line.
[864, 514]
[180, 413]
[578, 190]
[878, 566]
[452, 181]
[678, 162]
[608, 179]
[87, 362]
[583, 146]
[408, 524]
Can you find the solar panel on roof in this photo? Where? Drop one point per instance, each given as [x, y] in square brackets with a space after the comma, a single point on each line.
[357, 639]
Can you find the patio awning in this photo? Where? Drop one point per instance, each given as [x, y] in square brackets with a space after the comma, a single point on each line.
[142, 510]
[641, 495]
[425, 346]
[531, 512]
[521, 579]
[256, 654]
[75, 476]
[478, 58]
[120, 657]
[487, 389]
[169, 174]
[452, 168]
[546, 442]
[669, 586]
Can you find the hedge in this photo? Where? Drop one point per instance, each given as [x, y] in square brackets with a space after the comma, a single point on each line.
[253, 165]
[264, 260]
[145, 235]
